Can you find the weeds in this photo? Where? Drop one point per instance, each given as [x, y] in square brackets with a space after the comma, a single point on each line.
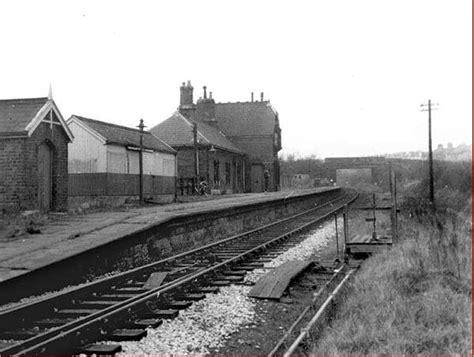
[416, 298]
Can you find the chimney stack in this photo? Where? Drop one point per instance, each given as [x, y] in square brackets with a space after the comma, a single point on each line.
[261, 97]
[205, 94]
[251, 96]
[186, 104]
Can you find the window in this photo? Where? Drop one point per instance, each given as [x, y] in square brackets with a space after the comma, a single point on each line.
[239, 173]
[227, 173]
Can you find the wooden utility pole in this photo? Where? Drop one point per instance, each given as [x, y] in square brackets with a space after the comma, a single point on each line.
[430, 153]
[392, 179]
[141, 127]
[337, 236]
[196, 154]
[345, 218]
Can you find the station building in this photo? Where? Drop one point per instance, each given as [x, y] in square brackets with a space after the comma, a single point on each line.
[234, 146]
[34, 141]
[104, 164]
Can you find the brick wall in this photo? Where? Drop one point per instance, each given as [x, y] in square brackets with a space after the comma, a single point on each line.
[19, 174]
[13, 174]
[260, 149]
[186, 167]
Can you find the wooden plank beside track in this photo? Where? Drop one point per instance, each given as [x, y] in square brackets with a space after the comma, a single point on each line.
[273, 284]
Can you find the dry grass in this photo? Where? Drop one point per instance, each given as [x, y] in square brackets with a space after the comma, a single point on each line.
[415, 299]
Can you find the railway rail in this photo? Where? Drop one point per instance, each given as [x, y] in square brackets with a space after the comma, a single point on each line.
[293, 339]
[120, 307]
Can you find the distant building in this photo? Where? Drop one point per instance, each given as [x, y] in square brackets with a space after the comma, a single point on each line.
[352, 171]
[234, 146]
[104, 163]
[450, 153]
[33, 155]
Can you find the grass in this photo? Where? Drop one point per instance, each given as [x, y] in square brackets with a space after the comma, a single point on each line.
[414, 299]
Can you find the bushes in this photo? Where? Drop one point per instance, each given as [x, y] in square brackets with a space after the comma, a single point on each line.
[416, 298]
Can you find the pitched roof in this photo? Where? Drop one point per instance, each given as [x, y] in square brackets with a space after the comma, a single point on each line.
[246, 118]
[16, 114]
[178, 131]
[125, 136]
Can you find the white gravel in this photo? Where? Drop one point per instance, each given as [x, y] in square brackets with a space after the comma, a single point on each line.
[207, 324]
[308, 247]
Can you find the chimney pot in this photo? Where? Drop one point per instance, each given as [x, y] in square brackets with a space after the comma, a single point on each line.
[205, 94]
[189, 83]
[261, 97]
[210, 95]
[251, 97]
[183, 84]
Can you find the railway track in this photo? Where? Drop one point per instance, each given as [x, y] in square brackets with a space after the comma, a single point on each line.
[292, 342]
[120, 307]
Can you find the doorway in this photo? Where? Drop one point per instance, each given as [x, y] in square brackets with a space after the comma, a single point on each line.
[256, 177]
[45, 177]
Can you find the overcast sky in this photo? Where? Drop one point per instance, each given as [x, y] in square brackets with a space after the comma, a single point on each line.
[346, 76]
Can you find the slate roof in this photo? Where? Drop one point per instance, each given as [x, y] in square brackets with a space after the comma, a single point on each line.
[125, 136]
[178, 131]
[246, 118]
[16, 114]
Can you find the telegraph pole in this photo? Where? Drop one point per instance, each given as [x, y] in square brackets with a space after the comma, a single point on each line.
[141, 127]
[196, 154]
[430, 154]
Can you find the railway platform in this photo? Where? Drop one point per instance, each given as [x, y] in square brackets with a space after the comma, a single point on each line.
[65, 236]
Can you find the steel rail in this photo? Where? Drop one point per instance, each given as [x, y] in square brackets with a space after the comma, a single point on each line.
[4, 314]
[305, 330]
[73, 329]
[303, 314]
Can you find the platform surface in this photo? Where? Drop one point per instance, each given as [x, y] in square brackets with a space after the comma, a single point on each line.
[68, 235]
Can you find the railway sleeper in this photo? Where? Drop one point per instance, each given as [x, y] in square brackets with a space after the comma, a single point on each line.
[98, 304]
[127, 335]
[176, 304]
[77, 312]
[53, 322]
[220, 282]
[102, 349]
[234, 272]
[130, 289]
[21, 335]
[194, 296]
[161, 314]
[144, 323]
[208, 289]
[116, 296]
[249, 266]
[231, 278]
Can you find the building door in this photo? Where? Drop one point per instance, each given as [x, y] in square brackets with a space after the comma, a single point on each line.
[45, 177]
[256, 177]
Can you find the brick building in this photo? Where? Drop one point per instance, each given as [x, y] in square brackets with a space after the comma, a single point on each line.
[204, 153]
[254, 127]
[235, 145]
[33, 155]
[104, 164]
